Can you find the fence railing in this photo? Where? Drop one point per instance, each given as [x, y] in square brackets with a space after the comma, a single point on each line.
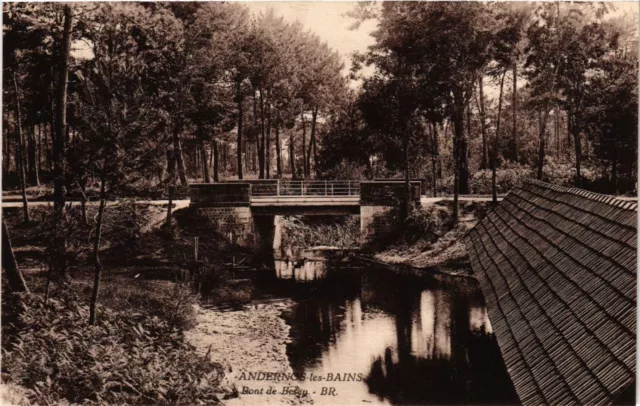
[292, 188]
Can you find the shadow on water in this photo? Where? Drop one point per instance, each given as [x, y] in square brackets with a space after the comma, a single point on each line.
[388, 338]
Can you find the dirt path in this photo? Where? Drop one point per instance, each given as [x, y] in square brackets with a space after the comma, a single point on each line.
[246, 341]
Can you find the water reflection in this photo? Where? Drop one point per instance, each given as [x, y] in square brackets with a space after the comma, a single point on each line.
[304, 264]
[412, 339]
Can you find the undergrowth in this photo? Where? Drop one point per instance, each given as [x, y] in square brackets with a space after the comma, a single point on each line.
[128, 357]
[428, 238]
[307, 232]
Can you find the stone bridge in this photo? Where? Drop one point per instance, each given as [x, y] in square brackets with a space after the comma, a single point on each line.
[245, 210]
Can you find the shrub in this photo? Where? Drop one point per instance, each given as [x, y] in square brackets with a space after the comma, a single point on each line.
[124, 359]
[315, 232]
[425, 224]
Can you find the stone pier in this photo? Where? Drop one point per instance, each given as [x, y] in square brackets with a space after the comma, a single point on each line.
[228, 207]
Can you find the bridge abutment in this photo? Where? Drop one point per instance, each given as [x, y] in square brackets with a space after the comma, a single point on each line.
[228, 207]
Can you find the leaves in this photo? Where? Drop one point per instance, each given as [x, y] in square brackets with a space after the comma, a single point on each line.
[122, 360]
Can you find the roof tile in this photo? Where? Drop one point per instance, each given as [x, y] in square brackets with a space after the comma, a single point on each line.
[557, 267]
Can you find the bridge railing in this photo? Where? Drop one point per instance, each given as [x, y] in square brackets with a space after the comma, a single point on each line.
[311, 188]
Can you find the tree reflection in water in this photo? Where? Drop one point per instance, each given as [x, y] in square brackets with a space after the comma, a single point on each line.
[415, 339]
[445, 352]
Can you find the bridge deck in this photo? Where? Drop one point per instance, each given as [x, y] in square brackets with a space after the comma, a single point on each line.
[280, 201]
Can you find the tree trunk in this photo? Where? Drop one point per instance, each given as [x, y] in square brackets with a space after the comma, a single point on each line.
[435, 153]
[578, 144]
[39, 152]
[456, 180]
[292, 157]
[514, 104]
[460, 135]
[315, 157]
[614, 168]
[32, 152]
[314, 116]
[259, 137]
[267, 157]
[83, 207]
[263, 148]
[225, 152]
[494, 152]
[216, 159]
[278, 147]
[195, 159]
[171, 166]
[304, 146]
[96, 250]
[569, 135]
[171, 190]
[6, 156]
[239, 149]
[204, 158]
[556, 131]
[178, 156]
[48, 134]
[15, 279]
[469, 134]
[484, 163]
[541, 143]
[407, 184]
[23, 156]
[59, 147]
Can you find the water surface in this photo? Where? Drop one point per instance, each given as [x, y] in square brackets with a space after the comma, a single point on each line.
[391, 338]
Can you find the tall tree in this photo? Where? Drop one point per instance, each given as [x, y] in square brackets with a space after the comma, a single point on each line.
[10, 265]
[565, 45]
[116, 115]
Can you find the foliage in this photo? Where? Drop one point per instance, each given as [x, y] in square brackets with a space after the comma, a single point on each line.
[581, 71]
[123, 359]
[425, 224]
[308, 232]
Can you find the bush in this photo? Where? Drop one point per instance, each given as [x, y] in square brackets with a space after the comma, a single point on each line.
[316, 232]
[124, 359]
[425, 224]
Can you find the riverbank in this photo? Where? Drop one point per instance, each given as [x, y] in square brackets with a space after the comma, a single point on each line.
[251, 340]
[430, 241]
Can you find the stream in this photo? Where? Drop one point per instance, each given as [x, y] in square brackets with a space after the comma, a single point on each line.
[375, 336]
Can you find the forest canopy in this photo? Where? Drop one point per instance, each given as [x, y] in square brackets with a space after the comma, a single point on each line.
[167, 93]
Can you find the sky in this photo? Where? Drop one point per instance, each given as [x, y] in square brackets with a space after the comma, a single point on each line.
[326, 19]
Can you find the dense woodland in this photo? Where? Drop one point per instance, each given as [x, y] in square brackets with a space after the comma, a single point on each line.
[160, 93]
[105, 100]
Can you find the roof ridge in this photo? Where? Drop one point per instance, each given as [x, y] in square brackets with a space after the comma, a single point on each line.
[598, 197]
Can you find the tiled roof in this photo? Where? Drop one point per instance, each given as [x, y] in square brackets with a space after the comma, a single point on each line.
[557, 267]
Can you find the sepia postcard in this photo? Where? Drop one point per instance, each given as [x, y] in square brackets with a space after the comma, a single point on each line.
[319, 203]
